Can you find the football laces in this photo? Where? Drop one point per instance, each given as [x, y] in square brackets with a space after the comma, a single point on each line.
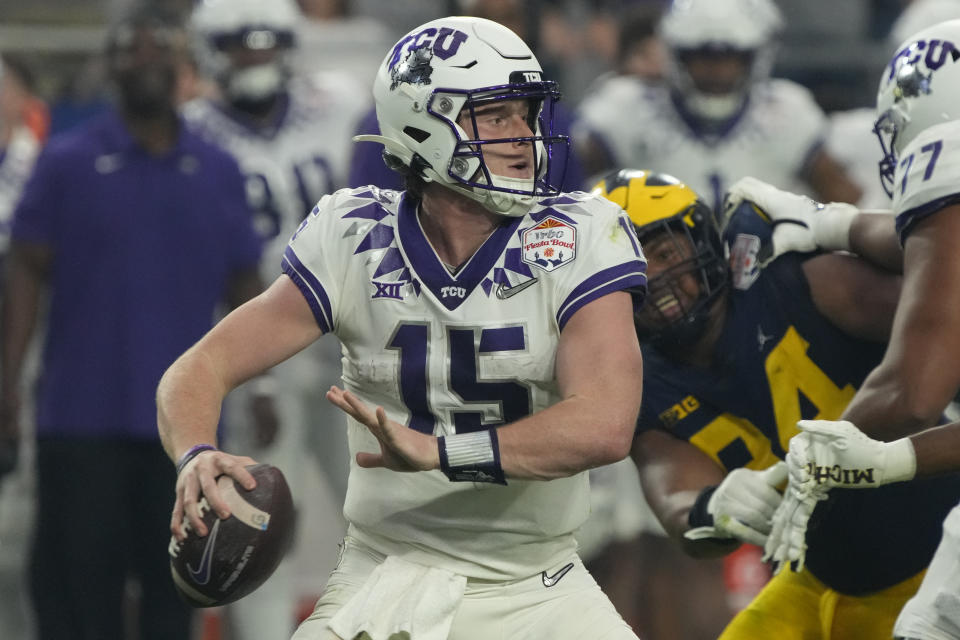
[174, 547]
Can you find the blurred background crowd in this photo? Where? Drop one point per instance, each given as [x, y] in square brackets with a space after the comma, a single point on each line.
[55, 77]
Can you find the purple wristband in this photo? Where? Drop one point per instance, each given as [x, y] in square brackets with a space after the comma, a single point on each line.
[192, 453]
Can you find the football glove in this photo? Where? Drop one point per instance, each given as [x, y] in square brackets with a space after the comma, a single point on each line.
[799, 223]
[827, 454]
[740, 507]
[786, 545]
[836, 454]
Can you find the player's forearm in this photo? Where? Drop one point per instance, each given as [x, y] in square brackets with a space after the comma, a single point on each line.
[937, 450]
[189, 398]
[873, 236]
[571, 436]
[889, 406]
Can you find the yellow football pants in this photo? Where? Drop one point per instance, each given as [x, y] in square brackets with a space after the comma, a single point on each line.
[797, 606]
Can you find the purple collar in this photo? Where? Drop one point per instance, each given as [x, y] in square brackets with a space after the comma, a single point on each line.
[431, 271]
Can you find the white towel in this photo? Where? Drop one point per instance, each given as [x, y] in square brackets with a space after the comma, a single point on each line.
[401, 601]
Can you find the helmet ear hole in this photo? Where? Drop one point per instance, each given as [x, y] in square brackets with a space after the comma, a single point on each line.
[417, 134]
[394, 163]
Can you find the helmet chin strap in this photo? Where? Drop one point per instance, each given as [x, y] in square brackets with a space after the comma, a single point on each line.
[512, 205]
[506, 204]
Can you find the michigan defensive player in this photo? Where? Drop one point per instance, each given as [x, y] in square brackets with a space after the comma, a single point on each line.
[485, 313]
[734, 357]
[917, 122]
[719, 116]
[291, 137]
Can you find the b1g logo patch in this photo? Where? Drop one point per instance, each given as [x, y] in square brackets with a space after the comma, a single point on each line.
[550, 244]
[744, 261]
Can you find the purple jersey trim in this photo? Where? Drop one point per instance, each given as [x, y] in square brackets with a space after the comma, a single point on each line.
[623, 276]
[908, 220]
[428, 267]
[311, 289]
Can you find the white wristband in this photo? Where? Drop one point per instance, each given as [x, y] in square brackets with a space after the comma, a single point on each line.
[899, 461]
[832, 226]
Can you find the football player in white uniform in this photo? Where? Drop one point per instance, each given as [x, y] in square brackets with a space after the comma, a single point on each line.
[291, 137]
[489, 357]
[719, 116]
[918, 125]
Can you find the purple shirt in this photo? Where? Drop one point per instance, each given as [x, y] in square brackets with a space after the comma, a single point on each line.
[143, 250]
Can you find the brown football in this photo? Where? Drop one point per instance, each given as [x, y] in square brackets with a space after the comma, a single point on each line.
[242, 551]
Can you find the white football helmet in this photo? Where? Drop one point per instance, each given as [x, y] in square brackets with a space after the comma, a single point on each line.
[919, 88]
[746, 27]
[222, 26]
[443, 68]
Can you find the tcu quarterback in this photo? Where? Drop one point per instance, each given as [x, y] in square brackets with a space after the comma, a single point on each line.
[489, 357]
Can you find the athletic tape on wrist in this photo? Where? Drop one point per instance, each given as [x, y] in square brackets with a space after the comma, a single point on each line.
[832, 230]
[192, 453]
[471, 457]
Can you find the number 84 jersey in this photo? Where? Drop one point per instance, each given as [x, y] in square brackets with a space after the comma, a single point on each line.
[448, 354]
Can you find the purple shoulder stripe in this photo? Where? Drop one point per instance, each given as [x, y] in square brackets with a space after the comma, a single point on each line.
[618, 278]
[311, 289]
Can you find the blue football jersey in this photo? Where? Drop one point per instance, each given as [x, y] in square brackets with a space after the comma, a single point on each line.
[778, 361]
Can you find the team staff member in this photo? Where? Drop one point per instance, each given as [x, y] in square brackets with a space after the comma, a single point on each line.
[137, 230]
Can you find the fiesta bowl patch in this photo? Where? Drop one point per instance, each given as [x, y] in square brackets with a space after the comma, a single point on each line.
[550, 244]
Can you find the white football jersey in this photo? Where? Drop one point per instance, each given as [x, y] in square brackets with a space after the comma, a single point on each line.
[449, 353]
[16, 165]
[928, 175]
[934, 612]
[292, 166]
[771, 140]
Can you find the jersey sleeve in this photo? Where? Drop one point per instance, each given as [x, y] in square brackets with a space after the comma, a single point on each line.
[608, 259]
[927, 176]
[316, 262]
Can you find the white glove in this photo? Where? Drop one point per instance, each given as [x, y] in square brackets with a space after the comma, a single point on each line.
[799, 223]
[787, 545]
[742, 506]
[836, 454]
[827, 454]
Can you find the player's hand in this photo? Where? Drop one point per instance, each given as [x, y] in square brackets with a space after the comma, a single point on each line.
[401, 448]
[786, 544]
[742, 506]
[830, 453]
[799, 223]
[197, 488]
[266, 424]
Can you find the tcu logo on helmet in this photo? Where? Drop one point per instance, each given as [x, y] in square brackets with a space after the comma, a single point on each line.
[443, 43]
[932, 53]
